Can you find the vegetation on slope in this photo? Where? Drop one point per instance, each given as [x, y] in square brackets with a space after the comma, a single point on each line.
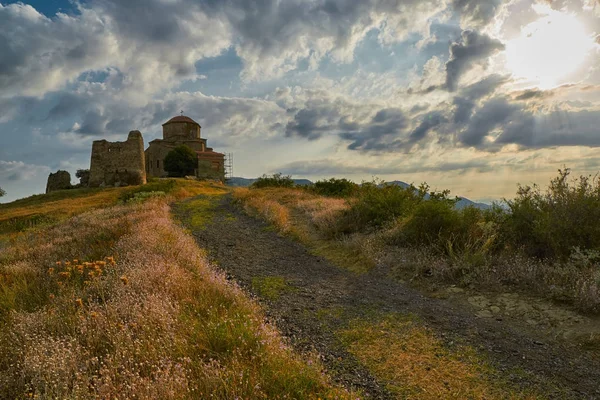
[119, 302]
[547, 241]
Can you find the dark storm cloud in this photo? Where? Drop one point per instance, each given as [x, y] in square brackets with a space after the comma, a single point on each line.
[466, 101]
[492, 114]
[430, 121]
[365, 127]
[381, 133]
[472, 49]
[312, 123]
[500, 122]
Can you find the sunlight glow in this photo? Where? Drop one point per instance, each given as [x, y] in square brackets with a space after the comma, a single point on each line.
[549, 49]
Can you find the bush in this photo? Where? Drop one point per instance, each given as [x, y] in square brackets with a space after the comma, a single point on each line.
[378, 203]
[550, 224]
[275, 180]
[181, 161]
[2, 192]
[84, 177]
[165, 186]
[140, 197]
[335, 187]
[431, 223]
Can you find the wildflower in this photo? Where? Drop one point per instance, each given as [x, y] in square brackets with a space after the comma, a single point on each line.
[86, 282]
[75, 261]
[124, 279]
[50, 271]
[79, 302]
[80, 268]
[51, 296]
[59, 263]
[94, 314]
[65, 274]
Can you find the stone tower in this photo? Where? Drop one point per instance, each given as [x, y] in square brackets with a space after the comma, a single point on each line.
[118, 163]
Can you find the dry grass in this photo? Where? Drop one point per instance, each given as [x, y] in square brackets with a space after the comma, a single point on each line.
[304, 216]
[120, 303]
[271, 210]
[416, 365]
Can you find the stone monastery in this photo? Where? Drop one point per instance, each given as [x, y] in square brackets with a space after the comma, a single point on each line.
[126, 163]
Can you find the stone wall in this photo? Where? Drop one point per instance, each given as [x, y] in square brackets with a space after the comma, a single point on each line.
[181, 130]
[158, 150]
[60, 180]
[118, 163]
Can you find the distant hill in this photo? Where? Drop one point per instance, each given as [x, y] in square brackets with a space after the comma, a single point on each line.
[243, 182]
[462, 202]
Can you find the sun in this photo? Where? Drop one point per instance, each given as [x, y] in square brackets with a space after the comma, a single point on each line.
[549, 48]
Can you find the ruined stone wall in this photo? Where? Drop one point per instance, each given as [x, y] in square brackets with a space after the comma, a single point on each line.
[60, 180]
[179, 130]
[118, 163]
[211, 165]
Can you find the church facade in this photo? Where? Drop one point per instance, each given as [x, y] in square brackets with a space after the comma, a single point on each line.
[182, 130]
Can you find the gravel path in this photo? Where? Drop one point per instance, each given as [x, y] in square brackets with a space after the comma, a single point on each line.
[245, 247]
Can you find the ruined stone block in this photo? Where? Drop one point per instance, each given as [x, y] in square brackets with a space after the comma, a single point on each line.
[60, 180]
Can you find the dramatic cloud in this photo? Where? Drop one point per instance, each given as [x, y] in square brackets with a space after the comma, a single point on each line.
[468, 97]
[476, 13]
[473, 48]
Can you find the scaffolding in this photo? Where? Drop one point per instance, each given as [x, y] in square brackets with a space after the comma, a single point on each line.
[228, 166]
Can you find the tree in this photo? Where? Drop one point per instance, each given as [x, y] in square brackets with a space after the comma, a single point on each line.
[181, 161]
[2, 192]
[84, 177]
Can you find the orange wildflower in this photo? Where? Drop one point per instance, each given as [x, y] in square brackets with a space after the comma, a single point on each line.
[79, 302]
[125, 280]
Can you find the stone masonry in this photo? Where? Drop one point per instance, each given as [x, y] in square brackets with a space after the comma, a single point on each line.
[118, 163]
[60, 180]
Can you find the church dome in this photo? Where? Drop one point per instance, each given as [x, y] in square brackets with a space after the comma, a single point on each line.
[181, 118]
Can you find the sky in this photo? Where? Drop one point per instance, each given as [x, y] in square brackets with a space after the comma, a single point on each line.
[475, 96]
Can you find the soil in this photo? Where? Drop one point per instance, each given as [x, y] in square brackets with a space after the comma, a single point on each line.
[246, 248]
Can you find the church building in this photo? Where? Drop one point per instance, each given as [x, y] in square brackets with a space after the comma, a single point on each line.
[182, 130]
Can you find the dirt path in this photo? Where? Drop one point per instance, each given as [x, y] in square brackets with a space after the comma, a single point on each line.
[246, 248]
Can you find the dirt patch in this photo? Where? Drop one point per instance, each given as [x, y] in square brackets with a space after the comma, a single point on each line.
[246, 248]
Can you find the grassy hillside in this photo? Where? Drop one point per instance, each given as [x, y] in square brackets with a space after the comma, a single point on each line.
[111, 299]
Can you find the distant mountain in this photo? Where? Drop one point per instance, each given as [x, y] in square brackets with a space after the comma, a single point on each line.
[462, 202]
[244, 182]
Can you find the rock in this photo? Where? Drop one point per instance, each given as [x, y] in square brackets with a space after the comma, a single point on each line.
[495, 309]
[60, 180]
[484, 314]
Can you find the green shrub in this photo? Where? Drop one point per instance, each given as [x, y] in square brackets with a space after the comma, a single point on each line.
[275, 180]
[143, 196]
[335, 187]
[377, 204]
[432, 222]
[165, 186]
[2, 192]
[550, 224]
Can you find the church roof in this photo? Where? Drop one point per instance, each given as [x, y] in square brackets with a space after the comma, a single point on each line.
[181, 118]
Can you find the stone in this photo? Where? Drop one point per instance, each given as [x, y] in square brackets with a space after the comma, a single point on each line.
[60, 180]
[118, 163]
